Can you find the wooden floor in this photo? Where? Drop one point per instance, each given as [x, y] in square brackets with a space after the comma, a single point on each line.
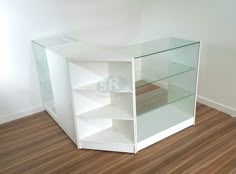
[36, 145]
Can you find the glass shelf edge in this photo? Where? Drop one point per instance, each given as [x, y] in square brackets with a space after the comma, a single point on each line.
[193, 94]
[112, 118]
[146, 55]
[167, 77]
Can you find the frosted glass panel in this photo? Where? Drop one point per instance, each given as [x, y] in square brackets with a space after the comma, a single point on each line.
[44, 76]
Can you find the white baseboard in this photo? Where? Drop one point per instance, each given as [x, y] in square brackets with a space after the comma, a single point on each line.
[21, 114]
[218, 106]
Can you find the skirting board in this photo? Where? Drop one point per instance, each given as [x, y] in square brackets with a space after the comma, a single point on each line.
[218, 106]
[21, 114]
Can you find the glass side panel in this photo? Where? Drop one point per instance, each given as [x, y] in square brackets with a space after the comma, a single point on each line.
[153, 96]
[44, 76]
[166, 64]
[161, 119]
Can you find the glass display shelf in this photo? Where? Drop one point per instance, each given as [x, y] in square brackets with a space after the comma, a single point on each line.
[152, 74]
[118, 97]
[166, 63]
[163, 92]
[158, 98]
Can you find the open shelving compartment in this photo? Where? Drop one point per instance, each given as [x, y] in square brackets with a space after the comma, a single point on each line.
[103, 104]
[106, 134]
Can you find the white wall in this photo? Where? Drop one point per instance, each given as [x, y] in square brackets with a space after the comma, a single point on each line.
[214, 23]
[114, 21]
[108, 21]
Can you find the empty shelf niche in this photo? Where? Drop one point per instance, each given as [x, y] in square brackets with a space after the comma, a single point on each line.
[97, 105]
[101, 76]
[95, 97]
[106, 134]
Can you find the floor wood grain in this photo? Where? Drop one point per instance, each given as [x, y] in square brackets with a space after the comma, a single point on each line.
[36, 145]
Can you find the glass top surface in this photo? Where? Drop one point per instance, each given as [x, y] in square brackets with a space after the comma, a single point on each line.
[160, 45]
[70, 46]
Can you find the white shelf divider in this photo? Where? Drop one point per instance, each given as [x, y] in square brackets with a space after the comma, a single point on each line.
[108, 111]
[94, 87]
[110, 135]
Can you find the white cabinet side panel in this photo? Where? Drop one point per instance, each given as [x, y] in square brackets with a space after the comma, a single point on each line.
[58, 70]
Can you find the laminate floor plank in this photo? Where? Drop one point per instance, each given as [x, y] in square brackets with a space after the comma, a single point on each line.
[37, 145]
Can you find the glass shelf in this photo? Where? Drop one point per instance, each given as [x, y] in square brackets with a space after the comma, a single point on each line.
[153, 74]
[155, 95]
[155, 67]
[158, 98]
